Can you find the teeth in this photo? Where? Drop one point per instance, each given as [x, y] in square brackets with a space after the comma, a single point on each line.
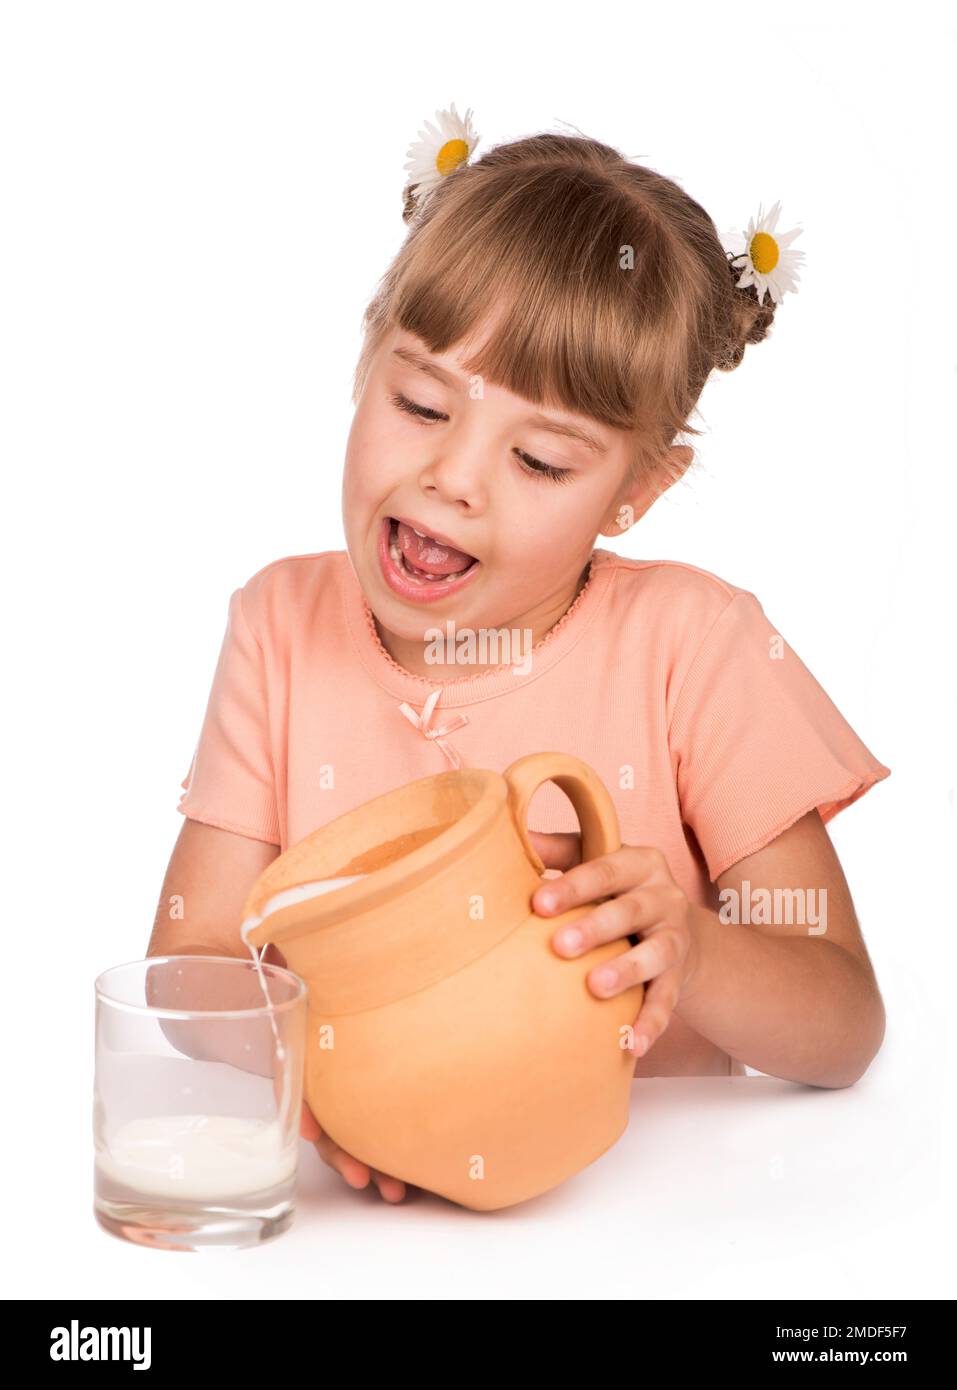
[398, 559]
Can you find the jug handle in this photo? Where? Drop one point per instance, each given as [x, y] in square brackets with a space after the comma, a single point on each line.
[586, 791]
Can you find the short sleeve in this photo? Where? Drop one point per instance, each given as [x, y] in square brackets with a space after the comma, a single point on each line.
[230, 782]
[755, 741]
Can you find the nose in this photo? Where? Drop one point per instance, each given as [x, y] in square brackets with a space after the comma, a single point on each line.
[457, 472]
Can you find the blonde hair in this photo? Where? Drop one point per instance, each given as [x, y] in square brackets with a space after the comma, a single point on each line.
[537, 233]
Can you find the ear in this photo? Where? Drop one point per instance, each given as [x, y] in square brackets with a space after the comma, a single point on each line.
[640, 494]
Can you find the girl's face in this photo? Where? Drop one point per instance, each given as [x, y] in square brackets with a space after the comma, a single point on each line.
[510, 498]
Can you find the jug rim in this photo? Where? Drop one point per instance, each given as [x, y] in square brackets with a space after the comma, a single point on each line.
[400, 875]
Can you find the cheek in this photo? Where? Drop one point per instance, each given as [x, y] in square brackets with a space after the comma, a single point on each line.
[375, 456]
[551, 529]
[360, 444]
[369, 463]
[526, 554]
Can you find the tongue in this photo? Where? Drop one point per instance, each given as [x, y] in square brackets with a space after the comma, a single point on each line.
[428, 555]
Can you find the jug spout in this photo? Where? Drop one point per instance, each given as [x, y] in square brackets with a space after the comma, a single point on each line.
[257, 928]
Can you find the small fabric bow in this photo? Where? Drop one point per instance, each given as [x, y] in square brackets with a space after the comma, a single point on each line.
[423, 722]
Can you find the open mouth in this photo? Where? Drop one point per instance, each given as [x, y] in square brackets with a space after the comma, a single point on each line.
[424, 560]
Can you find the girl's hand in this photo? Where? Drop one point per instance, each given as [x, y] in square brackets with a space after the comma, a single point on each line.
[356, 1173]
[644, 900]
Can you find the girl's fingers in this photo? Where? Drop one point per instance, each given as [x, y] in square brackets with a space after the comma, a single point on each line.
[309, 1125]
[356, 1174]
[618, 872]
[657, 954]
[606, 922]
[557, 850]
[656, 1011]
[639, 911]
[392, 1189]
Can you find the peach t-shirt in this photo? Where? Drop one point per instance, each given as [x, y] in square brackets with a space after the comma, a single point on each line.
[710, 734]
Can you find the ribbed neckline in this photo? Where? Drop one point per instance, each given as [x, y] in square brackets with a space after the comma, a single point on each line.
[484, 685]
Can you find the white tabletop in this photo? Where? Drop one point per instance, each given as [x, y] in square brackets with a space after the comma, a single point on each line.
[722, 1187]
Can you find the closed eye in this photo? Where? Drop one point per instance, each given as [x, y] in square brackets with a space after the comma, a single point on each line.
[530, 464]
[424, 411]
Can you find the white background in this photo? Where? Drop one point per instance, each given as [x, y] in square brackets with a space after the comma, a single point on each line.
[196, 201]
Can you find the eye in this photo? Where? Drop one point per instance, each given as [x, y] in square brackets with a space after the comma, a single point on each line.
[544, 470]
[529, 464]
[423, 411]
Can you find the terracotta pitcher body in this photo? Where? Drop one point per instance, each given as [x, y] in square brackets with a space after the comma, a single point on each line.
[448, 1045]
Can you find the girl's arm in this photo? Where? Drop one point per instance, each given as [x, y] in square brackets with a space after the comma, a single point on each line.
[209, 875]
[207, 881]
[786, 997]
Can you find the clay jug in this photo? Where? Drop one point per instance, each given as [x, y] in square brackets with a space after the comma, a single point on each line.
[447, 1043]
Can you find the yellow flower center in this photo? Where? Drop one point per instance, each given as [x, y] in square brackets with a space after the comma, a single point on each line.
[764, 252]
[451, 155]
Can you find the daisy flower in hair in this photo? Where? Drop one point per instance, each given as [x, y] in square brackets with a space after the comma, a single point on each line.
[439, 150]
[765, 254]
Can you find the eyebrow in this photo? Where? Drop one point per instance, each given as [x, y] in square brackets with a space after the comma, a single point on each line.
[425, 364]
[544, 422]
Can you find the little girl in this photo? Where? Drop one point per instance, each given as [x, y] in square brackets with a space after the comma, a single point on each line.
[530, 356]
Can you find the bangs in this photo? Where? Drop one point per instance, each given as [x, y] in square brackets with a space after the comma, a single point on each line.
[568, 291]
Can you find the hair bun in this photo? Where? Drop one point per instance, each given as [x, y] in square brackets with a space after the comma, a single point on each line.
[750, 321]
[409, 204]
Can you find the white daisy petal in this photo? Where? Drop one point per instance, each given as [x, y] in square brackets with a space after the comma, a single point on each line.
[781, 278]
[422, 157]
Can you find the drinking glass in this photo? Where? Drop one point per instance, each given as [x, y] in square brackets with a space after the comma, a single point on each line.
[197, 1101]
